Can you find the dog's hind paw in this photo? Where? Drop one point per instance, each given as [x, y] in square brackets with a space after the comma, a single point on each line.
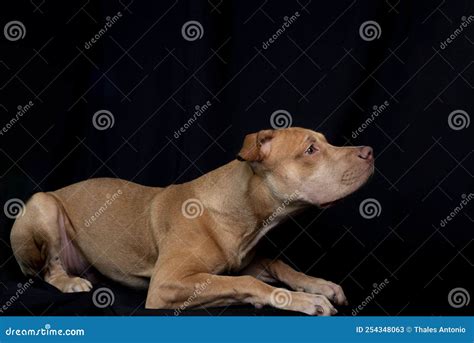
[71, 284]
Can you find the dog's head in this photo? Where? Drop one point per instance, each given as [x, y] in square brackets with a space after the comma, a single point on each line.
[301, 164]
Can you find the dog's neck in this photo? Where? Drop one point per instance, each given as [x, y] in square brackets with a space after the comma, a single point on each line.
[243, 203]
[235, 188]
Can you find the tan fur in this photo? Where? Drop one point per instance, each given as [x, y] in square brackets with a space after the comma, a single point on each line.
[142, 239]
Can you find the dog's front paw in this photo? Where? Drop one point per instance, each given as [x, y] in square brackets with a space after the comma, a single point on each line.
[311, 304]
[329, 289]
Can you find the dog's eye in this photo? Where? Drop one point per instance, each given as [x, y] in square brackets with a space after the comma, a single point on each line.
[311, 150]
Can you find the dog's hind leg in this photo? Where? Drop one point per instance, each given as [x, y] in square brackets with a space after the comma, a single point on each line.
[37, 239]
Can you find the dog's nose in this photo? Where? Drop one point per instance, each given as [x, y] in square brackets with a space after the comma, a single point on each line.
[366, 153]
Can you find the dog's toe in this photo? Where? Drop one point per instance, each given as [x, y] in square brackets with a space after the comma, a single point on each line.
[73, 285]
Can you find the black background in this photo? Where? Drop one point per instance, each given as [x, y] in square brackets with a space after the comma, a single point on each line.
[319, 70]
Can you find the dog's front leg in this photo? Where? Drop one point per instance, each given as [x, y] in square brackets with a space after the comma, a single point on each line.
[265, 269]
[203, 289]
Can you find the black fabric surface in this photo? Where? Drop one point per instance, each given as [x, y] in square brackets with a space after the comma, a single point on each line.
[319, 70]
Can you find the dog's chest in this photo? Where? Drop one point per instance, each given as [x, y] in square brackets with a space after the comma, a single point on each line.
[241, 261]
[245, 252]
[258, 236]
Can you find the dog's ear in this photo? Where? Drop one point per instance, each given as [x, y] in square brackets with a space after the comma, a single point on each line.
[256, 146]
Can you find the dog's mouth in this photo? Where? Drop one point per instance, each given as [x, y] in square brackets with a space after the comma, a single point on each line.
[334, 202]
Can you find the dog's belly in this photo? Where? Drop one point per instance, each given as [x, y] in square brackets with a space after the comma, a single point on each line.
[108, 221]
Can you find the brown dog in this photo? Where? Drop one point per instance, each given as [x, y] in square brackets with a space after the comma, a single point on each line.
[179, 240]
